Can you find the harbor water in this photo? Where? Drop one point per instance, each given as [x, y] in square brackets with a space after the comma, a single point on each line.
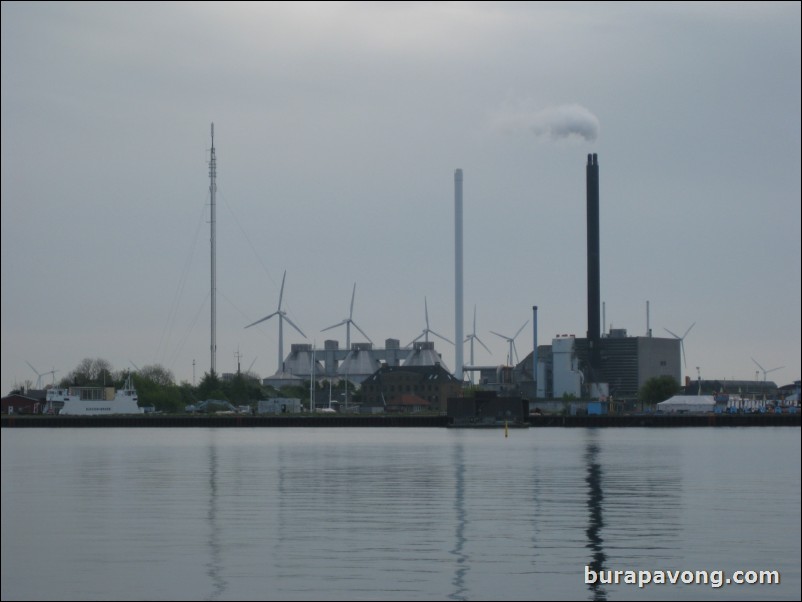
[396, 513]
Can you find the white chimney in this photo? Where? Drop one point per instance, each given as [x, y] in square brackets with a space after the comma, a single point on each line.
[458, 323]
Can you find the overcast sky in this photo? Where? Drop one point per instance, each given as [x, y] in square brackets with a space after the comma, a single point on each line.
[338, 127]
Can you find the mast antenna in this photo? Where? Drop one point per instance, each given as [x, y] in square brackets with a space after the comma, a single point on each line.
[213, 239]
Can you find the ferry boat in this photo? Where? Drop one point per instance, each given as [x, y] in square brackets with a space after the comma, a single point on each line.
[93, 401]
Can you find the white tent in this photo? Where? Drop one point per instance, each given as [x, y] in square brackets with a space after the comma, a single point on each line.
[687, 403]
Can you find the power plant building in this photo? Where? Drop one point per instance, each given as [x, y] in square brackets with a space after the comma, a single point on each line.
[597, 366]
[625, 364]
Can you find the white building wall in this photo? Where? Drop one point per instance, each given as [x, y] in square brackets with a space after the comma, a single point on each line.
[279, 405]
[566, 377]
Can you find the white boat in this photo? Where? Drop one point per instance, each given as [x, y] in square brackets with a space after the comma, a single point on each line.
[93, 401]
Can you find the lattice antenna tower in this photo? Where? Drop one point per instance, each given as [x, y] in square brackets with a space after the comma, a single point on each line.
[213, 240]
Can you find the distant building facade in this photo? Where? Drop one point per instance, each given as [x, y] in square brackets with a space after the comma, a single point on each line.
[279, 405]
[408, 404]
[486, 408]
[626, 363]
[433, 384]
[17, 403]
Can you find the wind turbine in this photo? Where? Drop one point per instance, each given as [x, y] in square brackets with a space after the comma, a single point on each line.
[428, 330]
[282, 315]
[39, 376]
[682, 342]
[472, 337]
[511, 341]
[53, 373]
[348, 321]
[765, 372]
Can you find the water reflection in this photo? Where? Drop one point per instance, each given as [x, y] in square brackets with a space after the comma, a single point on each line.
[283, 504]
[461, 521]
[596, 520]
[207, 514]
[214, 566]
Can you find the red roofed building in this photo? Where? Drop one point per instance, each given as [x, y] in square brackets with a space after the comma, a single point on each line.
[17, 403]
[390, 384]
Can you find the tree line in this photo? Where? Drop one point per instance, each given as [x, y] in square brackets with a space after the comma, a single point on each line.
[156, 386]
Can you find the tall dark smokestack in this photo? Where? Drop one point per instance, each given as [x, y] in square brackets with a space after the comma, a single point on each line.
[594, 287]
[458, 322]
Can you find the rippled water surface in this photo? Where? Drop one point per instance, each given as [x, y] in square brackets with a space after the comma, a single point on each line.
[402, 514]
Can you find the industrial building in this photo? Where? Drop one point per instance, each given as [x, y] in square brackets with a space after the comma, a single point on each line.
[279, 405]
[354, 364]
[625, 364]
[486, 408]
[601, 365]
[433, 384]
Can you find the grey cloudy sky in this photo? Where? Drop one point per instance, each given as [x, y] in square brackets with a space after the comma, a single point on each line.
[338, 128]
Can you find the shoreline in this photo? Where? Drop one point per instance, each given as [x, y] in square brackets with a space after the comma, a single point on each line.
[385, 421]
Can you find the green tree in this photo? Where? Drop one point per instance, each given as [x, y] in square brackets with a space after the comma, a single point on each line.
[188, 394]
[90, 373]
[295, 391]
[243, 389]
[158, 374]
[154, 388]
[658, 388]
[210, 387]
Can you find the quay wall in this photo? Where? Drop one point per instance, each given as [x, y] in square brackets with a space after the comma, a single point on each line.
[347, 420]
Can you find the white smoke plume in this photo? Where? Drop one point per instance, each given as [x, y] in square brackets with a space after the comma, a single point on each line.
[558, 122]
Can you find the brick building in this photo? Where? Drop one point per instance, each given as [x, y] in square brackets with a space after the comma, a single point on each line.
[389, 384]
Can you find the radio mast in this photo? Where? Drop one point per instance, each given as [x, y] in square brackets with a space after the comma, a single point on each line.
[212, 192]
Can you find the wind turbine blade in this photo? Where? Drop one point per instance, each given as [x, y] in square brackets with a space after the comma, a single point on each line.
[515, 350]
[426, 309]
[500, 335]
[252, 363]
[416, 338]
[676, 336]
[335, 326]
[483, 345]
[773, 369]
[442, 337]
[293, 325]
[753, 359]
[520, 329]
[362, 331]
[281, 294]
[474, 319]
[262, 320]
[684, 359]
[689, 329]
[32, 368]
[353, 294]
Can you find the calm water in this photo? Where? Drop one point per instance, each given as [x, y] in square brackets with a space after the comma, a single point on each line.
[403, 514]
